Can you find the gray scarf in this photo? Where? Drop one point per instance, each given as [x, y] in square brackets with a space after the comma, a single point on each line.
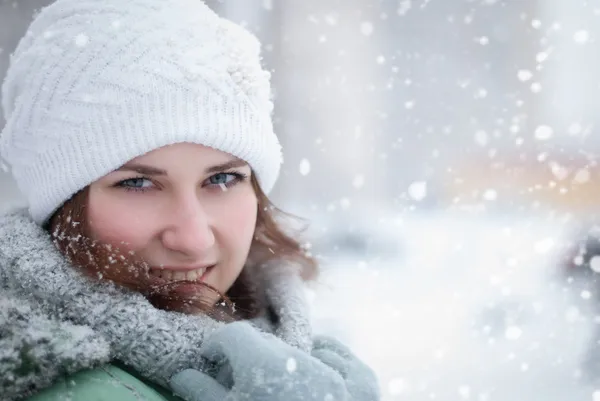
[54, 321]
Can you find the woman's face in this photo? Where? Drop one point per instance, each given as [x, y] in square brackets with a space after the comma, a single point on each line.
[188, 211]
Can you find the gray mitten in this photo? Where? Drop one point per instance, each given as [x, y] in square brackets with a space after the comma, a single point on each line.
[251, 366]
[361, 381]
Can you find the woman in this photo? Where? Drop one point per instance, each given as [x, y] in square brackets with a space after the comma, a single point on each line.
[150, 264]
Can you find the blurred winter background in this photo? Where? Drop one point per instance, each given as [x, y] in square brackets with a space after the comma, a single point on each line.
[446, 156]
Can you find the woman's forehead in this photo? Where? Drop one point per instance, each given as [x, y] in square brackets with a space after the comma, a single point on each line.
[190, 154]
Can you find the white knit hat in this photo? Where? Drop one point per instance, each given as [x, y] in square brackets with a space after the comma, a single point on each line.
[94, 84]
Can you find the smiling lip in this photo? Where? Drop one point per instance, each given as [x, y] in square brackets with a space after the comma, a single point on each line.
[184, 268]
[190, 273]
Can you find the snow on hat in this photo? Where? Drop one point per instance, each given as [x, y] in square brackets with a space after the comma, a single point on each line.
[94, 84]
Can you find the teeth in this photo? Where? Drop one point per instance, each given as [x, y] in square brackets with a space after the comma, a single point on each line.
[179, 276]
[194, 274]
[170, 275]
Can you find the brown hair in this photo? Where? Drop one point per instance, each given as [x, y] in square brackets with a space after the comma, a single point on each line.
[70, 231]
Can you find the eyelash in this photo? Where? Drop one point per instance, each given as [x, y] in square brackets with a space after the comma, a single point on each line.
[238, 178]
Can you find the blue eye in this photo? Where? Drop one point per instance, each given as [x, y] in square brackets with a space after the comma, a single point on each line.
[135, 184]
[222, 178]
[225, 179]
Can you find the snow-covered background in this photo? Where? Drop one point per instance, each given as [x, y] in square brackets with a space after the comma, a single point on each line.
[471, 308]
[445, 154]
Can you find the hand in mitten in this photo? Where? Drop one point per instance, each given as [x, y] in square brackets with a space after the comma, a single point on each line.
[361, 382]
[250, 365]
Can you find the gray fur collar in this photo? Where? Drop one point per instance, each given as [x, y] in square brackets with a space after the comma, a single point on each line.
[54, 321]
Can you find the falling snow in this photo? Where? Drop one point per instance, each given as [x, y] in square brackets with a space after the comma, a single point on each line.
[541, 57]
[490, 195]
[291, 365]
[345, 203]
[524, 75]
[81, 40]
[418, 190]
[304, 167]
[595, 264]
[543, 132]
[574, 129]
[366, 28]
[581, 37]
[358, 181]
[513, 333]
[558, 171]
[536, 87]
[481, 138]
[404, 7]
[582, 176]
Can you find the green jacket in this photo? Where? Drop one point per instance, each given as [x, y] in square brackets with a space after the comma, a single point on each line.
[111, 382]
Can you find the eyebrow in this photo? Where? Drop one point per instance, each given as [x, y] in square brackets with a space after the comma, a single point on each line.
[153, 171]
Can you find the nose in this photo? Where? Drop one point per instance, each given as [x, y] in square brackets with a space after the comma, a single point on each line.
[189, 231]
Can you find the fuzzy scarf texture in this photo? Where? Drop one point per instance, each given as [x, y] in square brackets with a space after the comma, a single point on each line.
[54, 321]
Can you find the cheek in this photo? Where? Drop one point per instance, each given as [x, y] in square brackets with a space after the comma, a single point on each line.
[237, 221]
[118, 223]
